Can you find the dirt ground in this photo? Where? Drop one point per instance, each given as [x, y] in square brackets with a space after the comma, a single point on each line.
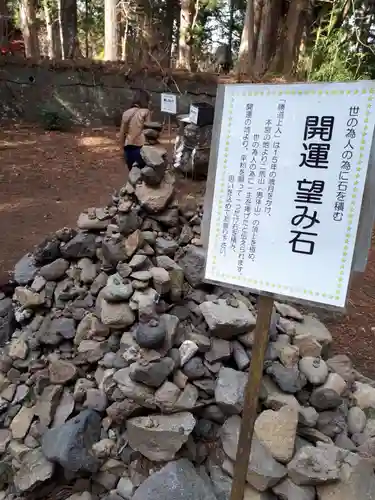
[47, 178]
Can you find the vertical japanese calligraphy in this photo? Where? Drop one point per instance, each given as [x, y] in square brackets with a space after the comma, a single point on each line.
[346, 163]
[316, 146]
[275, 148]
[241, 186]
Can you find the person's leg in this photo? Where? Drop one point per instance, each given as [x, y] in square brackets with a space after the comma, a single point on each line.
[133, 155]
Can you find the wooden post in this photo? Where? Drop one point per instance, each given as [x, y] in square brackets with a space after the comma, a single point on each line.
[249, 414]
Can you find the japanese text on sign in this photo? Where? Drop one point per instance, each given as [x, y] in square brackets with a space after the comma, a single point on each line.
[291, 167]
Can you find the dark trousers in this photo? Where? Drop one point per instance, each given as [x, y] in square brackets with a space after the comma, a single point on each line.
[132, 154]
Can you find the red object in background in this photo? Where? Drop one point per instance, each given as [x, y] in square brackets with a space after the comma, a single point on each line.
[14, 45]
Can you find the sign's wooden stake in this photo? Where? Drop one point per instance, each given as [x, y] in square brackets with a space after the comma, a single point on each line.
[249, 414]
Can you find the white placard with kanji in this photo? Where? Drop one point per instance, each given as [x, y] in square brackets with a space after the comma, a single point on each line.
[291, 168]
[168, 103]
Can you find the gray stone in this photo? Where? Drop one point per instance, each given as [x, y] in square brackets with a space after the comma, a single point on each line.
[64, 408]
[287, 490]
[35, 469]
[220, 350]
[64, 327]
[357, 481]
[61, 371]
[166, 397]
[315, 370]
[18, 349]
[230, 390]
[331, 423]
[159, 437]
[192, 263]
[25, 270]
[125, 488]
[55, 270]
[161, 280]
[222, 483]
[187, 399]
[47, 404]
[152, 374]
[166, 246]
[5, 438]
[194, 368]
[176, 481]
[21, 423]
[356, 420]
[96, 400]
[128, 223]
[290, 380]
[226, 321]
[313, 466]
[315, 328]
[154, 199]
[240, 356]
[116, 315]
[151, 335]
[116, 290]
[134, 175]
[7, 322]
[325, 399]
[342, 365]
[82, 245]
[139, 393]
[263, 470]
[70, 444]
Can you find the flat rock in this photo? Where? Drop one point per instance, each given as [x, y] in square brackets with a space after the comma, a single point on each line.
[7, 321]
[21, 423]
[192, 263]
[82, 245]
[263, 470]
[230, 390]
[135, 391]
[287, 490]
[116, 315]
[154, 199]
[25, 270]
[176, 481]
[364, 395]
[55, 270]
[152, 374]
[61, 371]
[70, 444]
[277, 431]
[225, 321]
[315, 328]
[357, 481]
[159, 437]
[313, 466]
[35, 469]
[290, 380]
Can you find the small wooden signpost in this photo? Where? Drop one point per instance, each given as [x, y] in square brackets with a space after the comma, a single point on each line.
[169, 106]
[289, 205]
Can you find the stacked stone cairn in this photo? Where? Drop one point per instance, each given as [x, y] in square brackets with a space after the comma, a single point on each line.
[122, 375]
[152, 131]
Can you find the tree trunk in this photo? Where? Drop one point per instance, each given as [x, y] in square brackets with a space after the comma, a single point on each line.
[294, 27]
[4, 12]
[29, 28]
[53, 30]
[110, 30]
[245, 63]
[68, 28]
[184, 46]
[266, 42]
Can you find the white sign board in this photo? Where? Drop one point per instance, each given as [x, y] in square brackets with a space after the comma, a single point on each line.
[290, 173]
[193, 114]
[168, 104]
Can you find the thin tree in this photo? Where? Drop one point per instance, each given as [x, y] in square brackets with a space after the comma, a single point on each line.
[110, 30]
[29, 28]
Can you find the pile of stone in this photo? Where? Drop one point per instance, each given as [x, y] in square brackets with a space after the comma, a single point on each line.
[123, 376]
[192, 149]
[152, 131]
